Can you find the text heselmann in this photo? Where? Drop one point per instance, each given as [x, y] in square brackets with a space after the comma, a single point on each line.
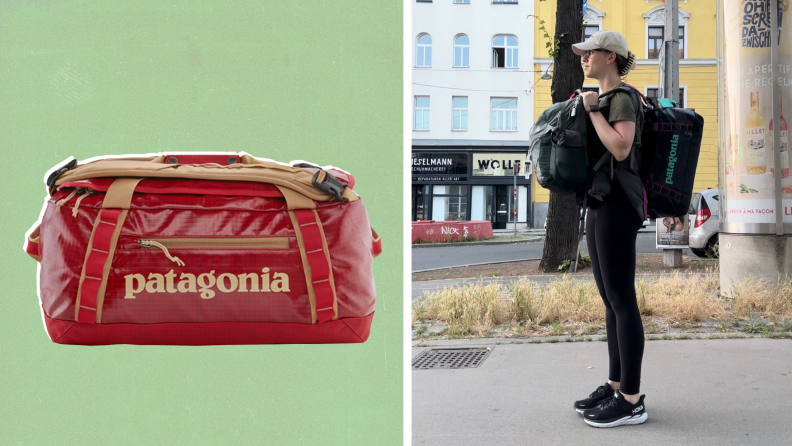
[203, 283]
[672, 159]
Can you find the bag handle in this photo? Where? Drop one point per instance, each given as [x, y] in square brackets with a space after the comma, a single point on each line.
[219, 159]
[317, 186]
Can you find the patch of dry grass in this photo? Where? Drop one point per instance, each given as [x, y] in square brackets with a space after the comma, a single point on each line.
[757, 295]
[575, 306]
[674, 297]
[470, 309]
[681, 298]
[567, 300]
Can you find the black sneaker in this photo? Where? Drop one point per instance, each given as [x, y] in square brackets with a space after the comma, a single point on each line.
[615, 412]
[596, 396]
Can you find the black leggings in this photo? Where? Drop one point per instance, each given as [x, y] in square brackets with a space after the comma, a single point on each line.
[611, 232]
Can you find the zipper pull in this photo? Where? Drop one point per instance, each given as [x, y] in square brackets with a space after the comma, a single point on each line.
[69, 197]
[79, 199]
[574, 106]
[148, 243]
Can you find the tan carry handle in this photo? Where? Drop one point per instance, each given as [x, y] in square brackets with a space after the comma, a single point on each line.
[229, 159]
[250, 169]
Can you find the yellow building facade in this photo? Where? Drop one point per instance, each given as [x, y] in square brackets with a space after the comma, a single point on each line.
[639, 21]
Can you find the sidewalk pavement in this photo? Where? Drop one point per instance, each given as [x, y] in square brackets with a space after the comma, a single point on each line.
[698, 392]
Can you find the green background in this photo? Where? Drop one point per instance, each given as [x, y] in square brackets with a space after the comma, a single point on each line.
[318, 81]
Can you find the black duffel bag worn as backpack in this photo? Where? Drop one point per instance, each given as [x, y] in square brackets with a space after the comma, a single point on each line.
[557, 146]
[667, 156]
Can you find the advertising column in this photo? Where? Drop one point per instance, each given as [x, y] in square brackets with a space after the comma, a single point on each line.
[752, 83]
[748, 124]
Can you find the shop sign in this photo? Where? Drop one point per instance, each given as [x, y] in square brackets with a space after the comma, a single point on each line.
[439, 163]
[496, 164]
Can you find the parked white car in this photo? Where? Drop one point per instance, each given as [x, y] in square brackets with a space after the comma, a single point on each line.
[704, 215]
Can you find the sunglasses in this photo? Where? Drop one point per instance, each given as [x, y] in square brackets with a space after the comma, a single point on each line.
[588, 53]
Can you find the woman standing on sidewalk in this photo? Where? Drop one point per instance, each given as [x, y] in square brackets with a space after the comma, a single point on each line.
[615, 213]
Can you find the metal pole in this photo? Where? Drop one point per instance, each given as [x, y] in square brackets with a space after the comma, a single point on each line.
[779, 210]
[724, 202]
[671, 48]
[514, 197]
[672, 257]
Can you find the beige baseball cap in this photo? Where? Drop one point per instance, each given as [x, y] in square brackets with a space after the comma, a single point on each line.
[611, 41]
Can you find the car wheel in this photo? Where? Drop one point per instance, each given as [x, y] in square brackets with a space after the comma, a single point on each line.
[712, 249]
[699, 252]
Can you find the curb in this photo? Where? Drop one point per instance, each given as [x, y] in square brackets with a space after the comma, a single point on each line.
[478, 243]
[472, 264]
[439, 284]
[562, 339]
[685, 256]
[539, 237]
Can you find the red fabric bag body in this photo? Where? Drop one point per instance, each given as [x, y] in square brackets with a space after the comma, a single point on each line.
[201, 252]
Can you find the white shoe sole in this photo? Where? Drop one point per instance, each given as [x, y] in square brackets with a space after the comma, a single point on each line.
[626, 420]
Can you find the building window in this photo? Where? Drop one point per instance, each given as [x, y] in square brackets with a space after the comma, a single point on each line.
[653, 92]
[419, 192]
[504, 52]
[681, 42]
[424, 51]
[421, 113]
[462, 51]
[503, 116]
[462, 1]
[655, 29]
[655, 43]
[501, 2]
[481, 203]
[449, 203]
[460, 104]
[589, 30]
[592, 21]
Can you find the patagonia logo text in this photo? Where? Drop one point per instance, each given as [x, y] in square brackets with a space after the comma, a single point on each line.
[204, 283]
[672, 159]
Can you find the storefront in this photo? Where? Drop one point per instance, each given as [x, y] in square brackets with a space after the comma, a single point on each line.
[470, 183]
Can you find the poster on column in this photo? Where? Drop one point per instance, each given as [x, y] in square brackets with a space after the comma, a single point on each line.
[748, 110]
[672, 232]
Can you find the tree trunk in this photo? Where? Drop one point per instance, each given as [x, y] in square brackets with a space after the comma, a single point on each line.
[562, 212]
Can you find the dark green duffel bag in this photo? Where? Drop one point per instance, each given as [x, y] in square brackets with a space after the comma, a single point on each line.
[557, 146]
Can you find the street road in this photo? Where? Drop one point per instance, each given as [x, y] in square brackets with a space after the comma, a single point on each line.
[444, 257]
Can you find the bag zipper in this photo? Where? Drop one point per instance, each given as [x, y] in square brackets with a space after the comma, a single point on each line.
[79, 199]
[574, 105]
[213, 243]
[148, 243]
[84, 192]
[68, 197]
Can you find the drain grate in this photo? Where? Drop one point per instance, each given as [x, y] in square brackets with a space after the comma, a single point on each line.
[450, 358]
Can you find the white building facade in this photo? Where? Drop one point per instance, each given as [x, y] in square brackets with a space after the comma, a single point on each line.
[472, 107]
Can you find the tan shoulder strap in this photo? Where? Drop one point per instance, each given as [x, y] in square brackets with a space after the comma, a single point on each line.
[101, 249]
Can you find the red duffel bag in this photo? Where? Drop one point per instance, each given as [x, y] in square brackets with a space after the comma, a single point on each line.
[202, 249]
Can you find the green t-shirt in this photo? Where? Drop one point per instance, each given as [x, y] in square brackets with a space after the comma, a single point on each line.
[617, 107]
[620, 107]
